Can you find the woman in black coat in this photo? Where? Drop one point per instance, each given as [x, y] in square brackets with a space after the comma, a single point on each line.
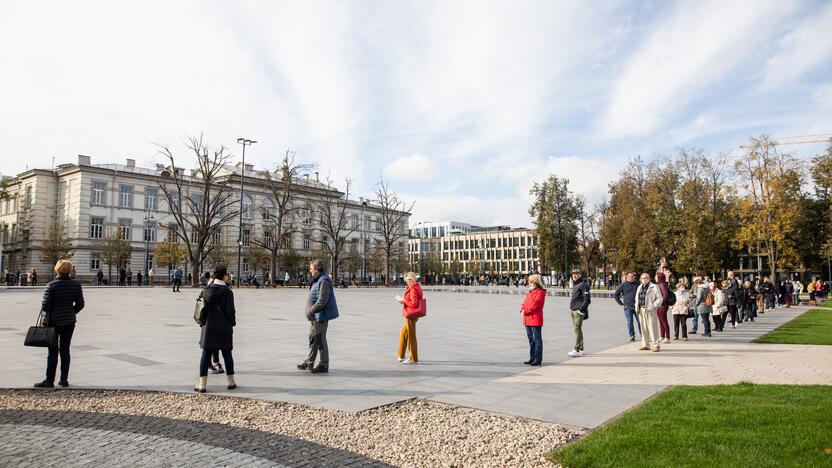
[217, 328]
[62, 300]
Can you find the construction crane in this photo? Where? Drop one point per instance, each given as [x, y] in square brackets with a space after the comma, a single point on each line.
[799, 140]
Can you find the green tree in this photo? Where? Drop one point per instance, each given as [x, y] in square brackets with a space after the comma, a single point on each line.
[259, 258]
[56, 246]
[116, 251]
[556, 214]
[169, 254]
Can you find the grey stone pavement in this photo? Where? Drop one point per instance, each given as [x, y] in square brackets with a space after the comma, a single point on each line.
[471, 349]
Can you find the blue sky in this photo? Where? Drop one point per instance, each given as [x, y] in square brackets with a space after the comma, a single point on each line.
[461, 105]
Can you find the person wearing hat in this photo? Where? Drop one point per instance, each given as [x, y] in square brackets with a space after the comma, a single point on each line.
[579, 305]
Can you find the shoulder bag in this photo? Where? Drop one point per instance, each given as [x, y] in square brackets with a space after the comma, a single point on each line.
[199, 311]
[41, 335]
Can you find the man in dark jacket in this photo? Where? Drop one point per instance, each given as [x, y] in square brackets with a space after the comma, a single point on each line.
[217, 332]
[625, 296]
[579, 305]
[320, 309]
[732, 298]
[62, 300]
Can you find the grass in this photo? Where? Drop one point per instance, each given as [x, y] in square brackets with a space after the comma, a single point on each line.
[724, 425]
[812, 327]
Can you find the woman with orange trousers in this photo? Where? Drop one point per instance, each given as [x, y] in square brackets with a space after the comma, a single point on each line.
[410, 310]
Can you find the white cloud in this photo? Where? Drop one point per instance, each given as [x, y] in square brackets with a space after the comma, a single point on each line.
[686, 53]
[411, 168]
[802, 50]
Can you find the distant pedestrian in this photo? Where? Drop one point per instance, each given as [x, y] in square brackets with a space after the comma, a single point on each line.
[217, 334]
[648, 301]
[129, 277]
[99, 278]
[625, 296]
[664, 289]
[177, 280]
[704, 304]
[750, 301]
[150, 277]
[63, 298]
[532, 310]
[321, 307]
[411, 311]
[34, 277]
[139, 278]
[579, 307]
[680, 310]
[720, 310]
[732, 300]
[286, 279]
[122, 277]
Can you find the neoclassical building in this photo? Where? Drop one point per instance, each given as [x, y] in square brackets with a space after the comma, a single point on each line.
[90, 201]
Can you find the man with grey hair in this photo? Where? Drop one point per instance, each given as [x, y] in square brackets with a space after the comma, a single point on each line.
[579, 306]
[320, 309]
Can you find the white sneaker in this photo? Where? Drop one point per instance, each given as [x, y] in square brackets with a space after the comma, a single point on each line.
[576, 353]
[399, 359]
[405, 361]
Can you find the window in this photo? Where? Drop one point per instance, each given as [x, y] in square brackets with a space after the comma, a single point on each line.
[150, 196]
[246, 239]
[96, 228]
[268, 238]
[306, 217]
[247, 207]
[306, 242]
[98, 189]
[268, 208]
[245, 264]
[174, 201]
[124, 229]
[172, 233]
[27, 202]
[95, 262]
[216, 237]
[355, 221]
[126, 196]
[196, 200]
[150, 233]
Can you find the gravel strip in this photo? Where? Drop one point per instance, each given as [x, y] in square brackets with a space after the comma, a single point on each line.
[416, 433]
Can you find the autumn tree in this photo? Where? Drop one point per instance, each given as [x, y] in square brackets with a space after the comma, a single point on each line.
[202, 202]
[116, 251]
[556, 214]
[56, 246]
[169, 254]
[771, 203]
[393, 215]
[259, 258]
[590, 244]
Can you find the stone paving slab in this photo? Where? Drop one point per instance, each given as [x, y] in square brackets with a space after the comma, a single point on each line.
[471, 346]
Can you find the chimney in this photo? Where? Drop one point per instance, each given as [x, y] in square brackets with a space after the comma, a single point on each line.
[131, 162]
[83, 160]
[316, 177]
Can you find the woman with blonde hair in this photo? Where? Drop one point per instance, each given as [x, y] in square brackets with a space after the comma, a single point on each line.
[412, 308]
[62, 300]
[532, 310]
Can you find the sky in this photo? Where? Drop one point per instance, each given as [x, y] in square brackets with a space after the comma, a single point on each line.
[460, 105]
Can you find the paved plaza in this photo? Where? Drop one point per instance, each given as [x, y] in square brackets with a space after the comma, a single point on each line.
[471, 349]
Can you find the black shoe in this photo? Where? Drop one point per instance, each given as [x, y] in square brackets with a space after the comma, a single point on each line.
[536, 363]
[528, 362]
[63, 383]
[320, 370]
[45, 384]
[199, 390]
[303, 366]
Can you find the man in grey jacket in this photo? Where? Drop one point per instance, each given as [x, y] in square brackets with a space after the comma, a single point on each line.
[579, 305]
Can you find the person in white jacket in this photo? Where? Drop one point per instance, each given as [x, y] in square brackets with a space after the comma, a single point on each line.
[720, 310]
[648, 301]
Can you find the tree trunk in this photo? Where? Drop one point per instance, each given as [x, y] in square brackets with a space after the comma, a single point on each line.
[195, 273]
[274, 267]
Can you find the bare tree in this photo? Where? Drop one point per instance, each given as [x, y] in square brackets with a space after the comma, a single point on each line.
[588, 233]
[278, 227]
[117, 251]
[56, 246]
[200, 204]
[335, 226]
[393, 214]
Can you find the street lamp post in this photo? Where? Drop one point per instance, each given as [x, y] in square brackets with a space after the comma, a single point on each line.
[363, 244]
[828, 248]
[147, 217]
[245, 142]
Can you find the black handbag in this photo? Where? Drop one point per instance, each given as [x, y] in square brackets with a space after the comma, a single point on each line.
[41, 335]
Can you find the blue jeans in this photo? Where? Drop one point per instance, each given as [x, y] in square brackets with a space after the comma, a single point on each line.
[694, 327]
[630, 314]
[706, 321]
[535, 335]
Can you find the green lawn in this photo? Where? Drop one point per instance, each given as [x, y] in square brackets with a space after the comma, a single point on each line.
[813, 327]
[725, 425]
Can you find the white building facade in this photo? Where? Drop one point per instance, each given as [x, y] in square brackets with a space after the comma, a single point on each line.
[90, 201]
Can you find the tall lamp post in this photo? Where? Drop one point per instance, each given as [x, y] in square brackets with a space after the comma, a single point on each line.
[828, 248]
[245, 142]
[363, 243]
[147, 217]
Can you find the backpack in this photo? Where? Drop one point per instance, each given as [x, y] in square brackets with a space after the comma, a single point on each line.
[709, 298]
[671, 297]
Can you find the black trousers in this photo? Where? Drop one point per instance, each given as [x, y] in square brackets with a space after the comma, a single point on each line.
[680, 321]
[64, 339]
[732, 311]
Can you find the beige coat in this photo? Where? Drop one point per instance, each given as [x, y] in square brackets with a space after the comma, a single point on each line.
[653, 300]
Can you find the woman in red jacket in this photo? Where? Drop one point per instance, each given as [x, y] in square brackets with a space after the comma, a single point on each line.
[532, 311]
[411, 312]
